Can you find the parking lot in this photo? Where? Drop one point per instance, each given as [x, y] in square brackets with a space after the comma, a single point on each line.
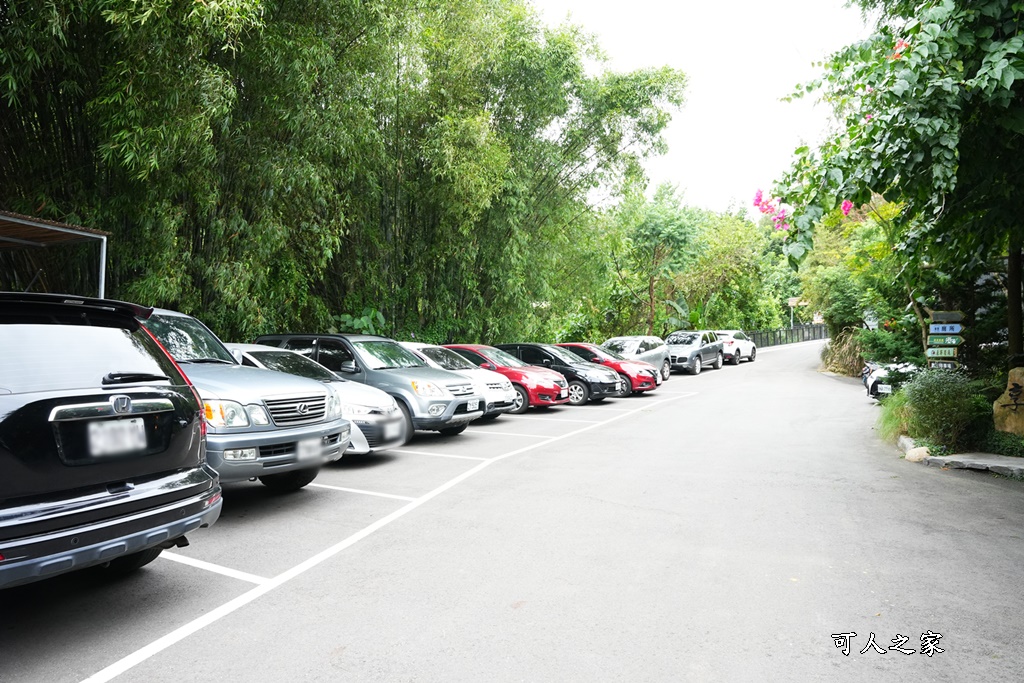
[264, 540]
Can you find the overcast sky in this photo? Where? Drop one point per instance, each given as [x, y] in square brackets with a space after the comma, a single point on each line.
[733, 135]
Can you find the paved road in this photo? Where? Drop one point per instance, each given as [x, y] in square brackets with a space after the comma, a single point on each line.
[720, 529]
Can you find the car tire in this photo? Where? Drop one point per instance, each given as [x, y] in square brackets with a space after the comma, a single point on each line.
[579, 394]
[409, 428]
[627, 387]
[130, 563]
[286, 482]
[735, 360]
[696, 366]
[522, 401]
[666, 369]
[719, 361]
[753, 354]
[453, 431]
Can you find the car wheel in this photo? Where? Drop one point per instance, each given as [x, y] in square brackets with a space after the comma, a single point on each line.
[578, 393]
[286, 482]
[696, 366]
[627, 387]
[735, 360]
[129, 563]
[719, 361]
[753, 354]
[522, 401]
[453, 431]
[408, 428]
[666, 369]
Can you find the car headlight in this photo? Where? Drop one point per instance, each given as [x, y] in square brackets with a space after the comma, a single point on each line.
[350, 410]
[258, 416]
[225, 414]
[334, 407]
[427, 389]
[506, 385]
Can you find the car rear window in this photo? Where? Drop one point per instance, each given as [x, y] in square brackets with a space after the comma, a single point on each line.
[294, 363]
[683, 338]
[446, 358]
[59, 357]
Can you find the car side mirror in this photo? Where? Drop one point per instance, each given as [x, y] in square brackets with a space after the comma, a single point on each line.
[348, 366]
[547, 362]
[488, 366]
[237, 355]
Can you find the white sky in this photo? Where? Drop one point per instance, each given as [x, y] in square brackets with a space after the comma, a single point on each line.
[733, 135]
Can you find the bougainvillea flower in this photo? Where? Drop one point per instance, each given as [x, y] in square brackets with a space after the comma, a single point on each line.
[847, 206]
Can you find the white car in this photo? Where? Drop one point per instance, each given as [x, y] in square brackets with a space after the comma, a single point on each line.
[736, 346]
[497, 390]
[376, 416]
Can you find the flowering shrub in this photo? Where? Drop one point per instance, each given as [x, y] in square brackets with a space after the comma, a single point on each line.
[771, 207]
[847, 207]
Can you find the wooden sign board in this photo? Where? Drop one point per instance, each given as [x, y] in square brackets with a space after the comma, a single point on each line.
[943, 365]
[941, 352]
[948, 328]
[944, 340]
[947, 316]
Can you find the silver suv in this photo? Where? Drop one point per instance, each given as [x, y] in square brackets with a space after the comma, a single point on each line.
[430, 399]
[261, 424]
[648, 349]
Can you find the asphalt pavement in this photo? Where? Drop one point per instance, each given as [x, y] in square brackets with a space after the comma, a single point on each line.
[722, 528]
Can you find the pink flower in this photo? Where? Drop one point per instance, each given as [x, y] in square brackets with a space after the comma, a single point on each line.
[868, 117]
[847, 206]
[758, 198]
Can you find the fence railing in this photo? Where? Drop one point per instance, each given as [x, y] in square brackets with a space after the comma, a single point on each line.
[788, 335]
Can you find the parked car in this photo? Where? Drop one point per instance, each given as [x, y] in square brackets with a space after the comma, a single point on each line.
[497, 391]
[587, 381]
[648, 349]
[535, 387]
[875, 377]
[377, 418]
[102, 458]
[261, 424]
[636, 375]
[736, 346]
[430, 400]
[691, 350]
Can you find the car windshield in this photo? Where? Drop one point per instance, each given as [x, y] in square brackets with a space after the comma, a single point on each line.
[188, 340]
[294, 364]
[683, 338]
[446, 358]
[620, 345]
[386, 355]
[504, 358]
[608, 352]
[565, 355]
[724, 335]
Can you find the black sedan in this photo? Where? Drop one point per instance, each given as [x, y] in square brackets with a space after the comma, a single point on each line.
[587, 381]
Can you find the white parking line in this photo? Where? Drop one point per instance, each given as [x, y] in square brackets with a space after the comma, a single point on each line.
[215, 568]
[216, 614]
[365, 493]
[409, 451]
[530, 436]
[554, 418]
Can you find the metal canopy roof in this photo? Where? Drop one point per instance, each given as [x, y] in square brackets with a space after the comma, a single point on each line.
[23, 232]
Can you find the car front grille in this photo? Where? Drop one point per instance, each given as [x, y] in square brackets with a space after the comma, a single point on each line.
[461, 389]
[495, 386]
[288, 412]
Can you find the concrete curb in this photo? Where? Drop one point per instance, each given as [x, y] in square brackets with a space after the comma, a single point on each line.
[1004, 465]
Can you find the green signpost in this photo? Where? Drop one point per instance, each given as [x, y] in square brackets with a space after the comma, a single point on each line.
[944, 339]
[941, 352]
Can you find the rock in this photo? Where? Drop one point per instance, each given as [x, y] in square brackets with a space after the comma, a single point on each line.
[1008, 410]
[905, 443]
[917, 454]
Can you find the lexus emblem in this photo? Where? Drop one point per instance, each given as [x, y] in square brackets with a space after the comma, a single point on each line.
[121, 404]
[302, 408]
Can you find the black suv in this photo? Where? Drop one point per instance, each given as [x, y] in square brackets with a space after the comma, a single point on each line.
[587, 381]
[102, 452]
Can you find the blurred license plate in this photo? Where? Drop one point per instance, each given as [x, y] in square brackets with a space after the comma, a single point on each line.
[309, 449]
[884, 389]
[392, 430]
[473, 405]
[112, 437]
[563, 393]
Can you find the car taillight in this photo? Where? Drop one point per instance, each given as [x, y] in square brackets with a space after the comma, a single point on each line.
[728, 343]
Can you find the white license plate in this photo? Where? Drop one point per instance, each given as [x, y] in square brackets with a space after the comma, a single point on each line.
[392, 430]
[473, 405]
[309, 449]
[884, 389]
[113, 437]
[563, 393]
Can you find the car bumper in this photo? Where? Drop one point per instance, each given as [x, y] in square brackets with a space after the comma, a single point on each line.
[548, 396]
[682, 362]
[456, 413]
[277, 450]
[645, 382]
[604, 389]
[499, 402]
[65, 550]
[372, 433]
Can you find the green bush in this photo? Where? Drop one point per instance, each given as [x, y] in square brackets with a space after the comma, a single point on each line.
[896, 418]
[1004, 443]
[947, 410]
[842, 354]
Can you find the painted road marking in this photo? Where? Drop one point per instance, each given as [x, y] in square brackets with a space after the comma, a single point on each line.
[409, 451]
[215, 568]
[553, 418]
[529, 436]
[216, 614]
[365, 493]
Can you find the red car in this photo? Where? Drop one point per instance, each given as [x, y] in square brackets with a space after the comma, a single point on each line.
[535, 386]
[639, 375]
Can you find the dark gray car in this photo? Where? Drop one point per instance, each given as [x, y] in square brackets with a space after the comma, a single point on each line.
[430, 399]
[693, 350]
